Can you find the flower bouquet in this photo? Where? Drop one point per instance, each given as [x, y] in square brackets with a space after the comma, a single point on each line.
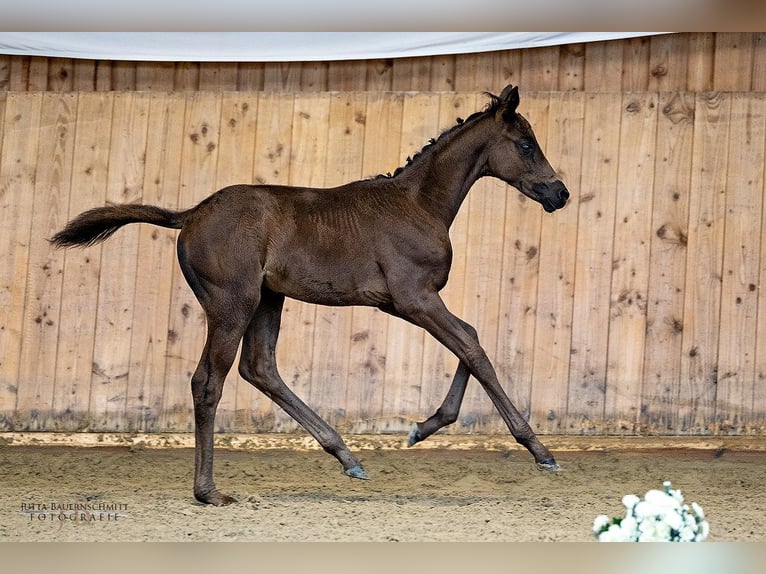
[661, 516]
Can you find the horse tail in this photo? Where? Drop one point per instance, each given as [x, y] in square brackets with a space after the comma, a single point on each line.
[98, 224]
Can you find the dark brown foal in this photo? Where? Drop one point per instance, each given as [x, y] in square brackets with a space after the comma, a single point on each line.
[381, 242]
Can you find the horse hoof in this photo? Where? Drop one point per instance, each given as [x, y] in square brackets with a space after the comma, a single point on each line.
[414, 437]
[215, 498]
[357, 472]
[548, 465]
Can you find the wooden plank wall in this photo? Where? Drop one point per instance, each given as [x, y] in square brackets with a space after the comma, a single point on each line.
[699, 61]
[636, 309]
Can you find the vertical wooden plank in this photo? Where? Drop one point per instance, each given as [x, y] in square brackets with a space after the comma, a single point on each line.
[273, 165]
[273, 139]
[668, 62]
[347, 76]
[5, 73]
[156, 264]
[18, 157]
[477, 73]
[104, 81]
[38, 74]
[84, 76]
[443, 72]
[540, 69]
[117, 280]
[508, 68]
[603, 66]
[250, 76]
[404, 343]
[77, 330]
[741, 263]
[307, 166]
[123, 75]
[630, 274]
[704, 263]
[155, 76]
[439, 364]
[518, 286]
[314, 76]
[281, 77]
[367, 354]
[571, 67]
[236, 150]
[37, 374]
[635, 65]
[411, 74]
[218, 76]
[733, 69]
[759, 62]
[19, 75]
[556, 282]
[596, 203]
[60, 75]
[379, 75]
[332, 337]
[700, 54]
[667, 273]
[757, 417]
[186, 77]
[187, 326]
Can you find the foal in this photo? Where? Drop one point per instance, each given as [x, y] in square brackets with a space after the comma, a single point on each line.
[380, 242]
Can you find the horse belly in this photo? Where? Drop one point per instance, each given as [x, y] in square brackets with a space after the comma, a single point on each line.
[330, 285]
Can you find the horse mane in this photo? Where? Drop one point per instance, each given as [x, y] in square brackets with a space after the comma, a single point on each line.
[490, 108]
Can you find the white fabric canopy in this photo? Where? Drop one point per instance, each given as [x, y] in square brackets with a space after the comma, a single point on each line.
[278, 46]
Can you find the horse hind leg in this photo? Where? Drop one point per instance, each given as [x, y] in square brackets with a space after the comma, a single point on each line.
[207, 387]
[258, 367]
[447, 413]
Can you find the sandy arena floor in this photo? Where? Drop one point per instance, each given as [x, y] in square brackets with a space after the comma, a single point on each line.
[144, 494]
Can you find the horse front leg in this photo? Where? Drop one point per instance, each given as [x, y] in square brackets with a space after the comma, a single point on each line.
[426, 309]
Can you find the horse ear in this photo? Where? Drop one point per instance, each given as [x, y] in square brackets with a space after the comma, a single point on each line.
[513, 98]
[509, 99]
[510, 91]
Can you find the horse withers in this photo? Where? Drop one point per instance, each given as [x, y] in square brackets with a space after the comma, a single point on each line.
[381, 242]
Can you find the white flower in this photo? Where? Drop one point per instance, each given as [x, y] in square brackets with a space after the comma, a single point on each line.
[687, 533]
[645, 509]
[661, 500]
[660, 516]
[630, 500]
[615, 533]
[629, 526]
[653, 531]
[600, 523]
[704, 530]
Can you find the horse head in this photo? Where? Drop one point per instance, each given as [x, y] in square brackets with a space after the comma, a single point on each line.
[516, 158]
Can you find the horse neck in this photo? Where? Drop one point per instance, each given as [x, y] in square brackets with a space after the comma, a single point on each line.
[445, 173]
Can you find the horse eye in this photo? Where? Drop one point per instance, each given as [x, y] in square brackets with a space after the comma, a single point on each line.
[526, 147]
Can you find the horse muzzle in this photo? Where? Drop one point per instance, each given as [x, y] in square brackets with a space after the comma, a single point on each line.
[552, 195]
